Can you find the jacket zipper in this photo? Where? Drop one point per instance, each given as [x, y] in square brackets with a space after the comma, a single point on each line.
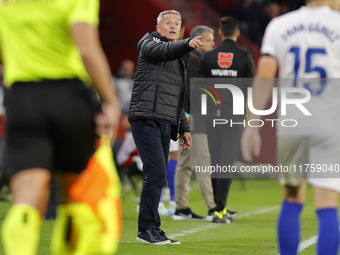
[181, 94]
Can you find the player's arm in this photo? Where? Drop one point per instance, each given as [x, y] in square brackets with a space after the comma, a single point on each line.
[86, 38]
[262, 86]
[262, 89]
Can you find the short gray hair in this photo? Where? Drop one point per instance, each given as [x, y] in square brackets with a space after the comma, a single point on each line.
[160, 16]
[199, 30]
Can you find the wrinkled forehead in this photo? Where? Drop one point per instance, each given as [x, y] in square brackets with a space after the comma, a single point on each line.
[171, 17]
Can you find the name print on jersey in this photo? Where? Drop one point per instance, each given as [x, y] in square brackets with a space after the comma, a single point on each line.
[311, 28]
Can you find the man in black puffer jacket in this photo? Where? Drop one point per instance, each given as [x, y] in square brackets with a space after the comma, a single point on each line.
[156, 114]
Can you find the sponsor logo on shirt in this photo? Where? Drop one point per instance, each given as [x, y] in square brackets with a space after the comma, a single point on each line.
[157, 40]
[225, 60]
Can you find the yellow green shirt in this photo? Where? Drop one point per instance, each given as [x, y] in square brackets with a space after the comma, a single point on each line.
[35, 38]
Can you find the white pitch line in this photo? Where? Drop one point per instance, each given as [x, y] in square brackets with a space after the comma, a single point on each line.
[192, 231]
[261, 211]
[309, 242]
[189, 231]
[305, 244]
[209, 225]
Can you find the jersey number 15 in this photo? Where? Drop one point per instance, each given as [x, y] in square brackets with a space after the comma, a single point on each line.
[309, 68]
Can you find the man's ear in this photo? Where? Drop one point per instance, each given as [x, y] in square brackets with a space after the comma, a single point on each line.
[238, 33]
[158, 29]
[220, 32]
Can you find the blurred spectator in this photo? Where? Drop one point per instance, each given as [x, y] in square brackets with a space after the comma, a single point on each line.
[128, 162]
[221, 6]
[126, 70]
[123, 81]
[289, 5]
[182, 31]
[249, 13]
[254, 15]
[201, 156]
[270, 11]
[128, 158]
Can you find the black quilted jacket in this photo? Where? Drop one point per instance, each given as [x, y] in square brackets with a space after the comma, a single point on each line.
[159, 81]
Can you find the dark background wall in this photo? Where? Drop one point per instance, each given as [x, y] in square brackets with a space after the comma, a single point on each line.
[123, 23]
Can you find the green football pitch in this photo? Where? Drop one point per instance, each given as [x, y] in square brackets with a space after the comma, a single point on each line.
[253, 232]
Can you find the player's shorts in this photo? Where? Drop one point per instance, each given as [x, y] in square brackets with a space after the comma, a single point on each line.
[49, 125]
[173, 145]
[308, 155]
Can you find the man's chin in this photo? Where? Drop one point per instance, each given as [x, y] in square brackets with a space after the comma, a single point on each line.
[172, 37]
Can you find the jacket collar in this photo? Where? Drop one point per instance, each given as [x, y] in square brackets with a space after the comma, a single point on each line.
[158, 35]
[228, 41]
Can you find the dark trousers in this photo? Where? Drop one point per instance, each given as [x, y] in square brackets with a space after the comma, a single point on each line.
[152, 139]
[224, 147]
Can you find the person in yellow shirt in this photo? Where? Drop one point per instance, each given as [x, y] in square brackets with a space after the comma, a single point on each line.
[51, 55]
